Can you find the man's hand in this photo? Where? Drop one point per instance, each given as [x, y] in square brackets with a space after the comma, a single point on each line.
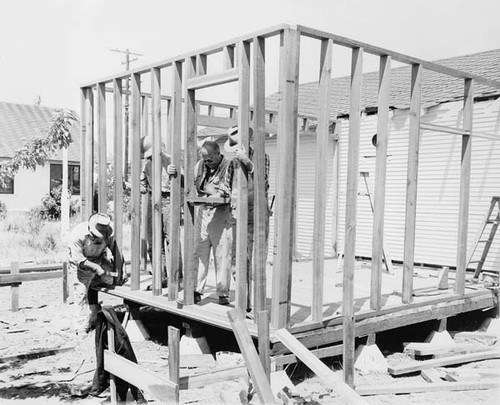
[241, 154]
[94, 267]
[172, 170]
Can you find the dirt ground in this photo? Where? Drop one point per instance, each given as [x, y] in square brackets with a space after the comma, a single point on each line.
[44, 322]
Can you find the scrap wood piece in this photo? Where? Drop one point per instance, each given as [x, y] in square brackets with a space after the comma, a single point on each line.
[252, 360]
[473, 374]
[446, 361]
[475, 335]
[425, 387]
[431, 349]
[431, 375]
[327, 376]
[199, 380]
[36, 354]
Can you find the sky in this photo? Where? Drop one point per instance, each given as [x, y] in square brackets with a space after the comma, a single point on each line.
[48, 48]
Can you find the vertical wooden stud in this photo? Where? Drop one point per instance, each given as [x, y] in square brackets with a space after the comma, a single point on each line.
[380, 179]
[412, 177]
[175, 182]
[112, 378]
[89, 154]
[264, 344]
[190, 128]
[173, 354]
[320, 179]
[287, 170]
[118, 170]
[83, 144]
[465, 171]
[351, 214]
[65, 285]
[102, 188]
[156, 180]
[260, 195]
[228, 57]
[135, 198]
[242, 204]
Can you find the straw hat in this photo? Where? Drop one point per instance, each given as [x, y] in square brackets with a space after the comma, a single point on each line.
[100, 225]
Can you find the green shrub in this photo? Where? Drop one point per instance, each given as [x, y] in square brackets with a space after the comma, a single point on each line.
[50, 207]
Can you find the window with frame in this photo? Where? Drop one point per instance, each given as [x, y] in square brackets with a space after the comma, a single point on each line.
[7, 188]
[73, 177]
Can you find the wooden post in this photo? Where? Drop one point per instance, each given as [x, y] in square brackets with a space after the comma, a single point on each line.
[135, 198]
[89, 154]
[260, 197]
[65, 286]
[242, 203]
[335, 189]
[465, 171]
[321, 179]
[156, 180]
[264, 344]
[380, 179]
[247, 347]
[83, 145]
[175, 182]
[14, 288]
[350, 214]
[118, 170]
[287, 170]
[190, 130]
[102, 188]
[411, 188]
[173, 354]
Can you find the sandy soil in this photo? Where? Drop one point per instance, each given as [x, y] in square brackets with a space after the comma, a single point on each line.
[44, 322]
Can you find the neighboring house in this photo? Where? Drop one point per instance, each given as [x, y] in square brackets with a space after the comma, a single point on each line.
[18, 124]
[439, 165]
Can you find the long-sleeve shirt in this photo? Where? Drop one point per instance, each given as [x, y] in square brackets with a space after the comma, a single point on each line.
[147, 175]
[83, 246]
[219, 179]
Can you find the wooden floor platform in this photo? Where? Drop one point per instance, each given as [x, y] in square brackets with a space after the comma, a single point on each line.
[428, 303]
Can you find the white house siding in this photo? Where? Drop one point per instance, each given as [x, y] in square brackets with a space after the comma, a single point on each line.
[438, 183]
[29, 188]
[305, 195]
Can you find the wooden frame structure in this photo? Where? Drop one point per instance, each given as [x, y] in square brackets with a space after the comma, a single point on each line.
[244, 58]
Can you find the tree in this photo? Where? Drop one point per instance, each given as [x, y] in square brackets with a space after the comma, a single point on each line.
[36, 151]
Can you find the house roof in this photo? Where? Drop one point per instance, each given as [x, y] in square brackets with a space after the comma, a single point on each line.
[22, 122]
[436, 88]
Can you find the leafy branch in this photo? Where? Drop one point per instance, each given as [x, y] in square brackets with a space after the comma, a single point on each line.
[36, 151]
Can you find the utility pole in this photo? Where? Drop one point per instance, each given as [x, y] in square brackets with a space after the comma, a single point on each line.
[127, 104]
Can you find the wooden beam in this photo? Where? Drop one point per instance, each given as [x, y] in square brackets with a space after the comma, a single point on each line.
[156, 174]
[175, 138]
[411, 188]
[16, 278]
[173, 354]
[36, 354]
[320, 185]
[242, 179]
[284, 359]
[89, 154]
[327, 376]
[135, 198]
[252, 361]
[465, 175]
[440, 128]
[287, 170]
[14, 289]
[380, 180]
[212, 377]
[414, 387]
[118, 171]
[102, 187]
[201, 64]
[214, 79]
[228, 56]
[83, 145]
[260, 219]
[375, 50]
[158, 387]
[209, 50]
[351, 213]
[444, 361]
[190, 155]
[264, 345]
